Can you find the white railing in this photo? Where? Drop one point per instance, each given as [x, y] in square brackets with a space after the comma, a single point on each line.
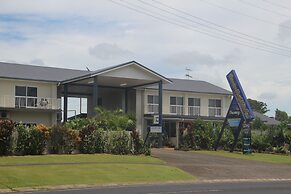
[177, 109]
[216, 112]
[194, 110]
[30, 102]
[153, 108]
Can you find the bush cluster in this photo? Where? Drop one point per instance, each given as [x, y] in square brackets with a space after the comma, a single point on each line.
[98, 135]
[6, 129]
[203, 135]
[30, 140]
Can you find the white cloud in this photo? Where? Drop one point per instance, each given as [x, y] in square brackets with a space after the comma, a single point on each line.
[107, 51]
[76, 34]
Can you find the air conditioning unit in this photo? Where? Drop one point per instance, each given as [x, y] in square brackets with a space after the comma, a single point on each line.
[3, 114]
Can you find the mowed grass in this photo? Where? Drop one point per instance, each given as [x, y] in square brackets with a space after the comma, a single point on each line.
[118, 170]
[271, 158]
[102, 158]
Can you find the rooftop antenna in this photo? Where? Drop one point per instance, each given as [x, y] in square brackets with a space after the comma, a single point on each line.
[87, 69]
[188, 70]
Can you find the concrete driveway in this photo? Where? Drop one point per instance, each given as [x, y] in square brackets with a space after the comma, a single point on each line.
[206, 167]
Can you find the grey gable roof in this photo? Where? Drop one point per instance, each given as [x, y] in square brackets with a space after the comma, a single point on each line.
[193, 86]
[267, 120]
[99, 71]
[38, 73]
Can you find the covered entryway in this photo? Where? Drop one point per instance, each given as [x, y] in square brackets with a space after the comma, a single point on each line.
[115, 87]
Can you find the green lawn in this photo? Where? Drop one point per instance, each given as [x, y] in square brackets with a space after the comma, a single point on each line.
[102, 158]
[141, 169]
[272, 158]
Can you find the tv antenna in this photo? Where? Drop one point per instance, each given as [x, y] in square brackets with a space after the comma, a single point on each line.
[188, 76]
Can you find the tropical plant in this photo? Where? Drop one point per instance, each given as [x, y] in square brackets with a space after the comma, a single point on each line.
[62, 140]
[6, 129]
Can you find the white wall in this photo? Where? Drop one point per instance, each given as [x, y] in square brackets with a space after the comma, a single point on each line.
[46, 118]
[44, 90]
[225, 100]
[7, 88]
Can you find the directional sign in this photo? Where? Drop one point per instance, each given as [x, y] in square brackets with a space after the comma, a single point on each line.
[240, 96]
[156, 129]
[239, 115]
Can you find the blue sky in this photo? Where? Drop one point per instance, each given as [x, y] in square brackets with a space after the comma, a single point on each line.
[95, 34]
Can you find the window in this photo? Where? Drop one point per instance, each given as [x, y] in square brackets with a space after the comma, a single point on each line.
[194, 106]
[153, 104]
[176, 105]
[25, 96]
[170, 128]
[214, 107]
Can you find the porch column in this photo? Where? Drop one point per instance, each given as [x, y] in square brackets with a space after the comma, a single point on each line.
[161, 111]
[65, 102]
[126, 100]
[95, 95]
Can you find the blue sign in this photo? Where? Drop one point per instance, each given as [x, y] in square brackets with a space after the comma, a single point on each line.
[234, 122]
[240, 96]
[234, 114]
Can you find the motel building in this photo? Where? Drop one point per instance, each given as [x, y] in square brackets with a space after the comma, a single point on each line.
[38, 94]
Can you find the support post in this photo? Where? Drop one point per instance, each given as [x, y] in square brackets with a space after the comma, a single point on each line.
[95, 95]
[236, 134]
[65, 102]
[223, 126]
[161, 112]
[126, 100]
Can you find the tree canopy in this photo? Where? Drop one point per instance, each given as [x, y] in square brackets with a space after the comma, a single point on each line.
[281, 115]
[258, 106]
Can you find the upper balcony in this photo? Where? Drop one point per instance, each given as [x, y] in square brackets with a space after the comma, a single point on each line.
[30, 102]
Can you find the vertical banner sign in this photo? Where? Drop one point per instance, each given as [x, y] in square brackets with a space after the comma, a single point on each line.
[244, 107]
[240, 96]
[239, 115]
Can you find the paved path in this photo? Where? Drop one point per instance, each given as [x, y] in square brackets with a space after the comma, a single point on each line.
[277, 187]
[206, 167]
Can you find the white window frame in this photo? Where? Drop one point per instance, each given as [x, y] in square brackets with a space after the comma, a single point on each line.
[153, 107]
[177, 109]
[194, 110]
[26, 98]
[215, 108]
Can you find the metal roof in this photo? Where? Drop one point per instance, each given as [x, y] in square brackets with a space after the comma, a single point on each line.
[104, 70]
[267, 120]
[193, 86]
[37, 73]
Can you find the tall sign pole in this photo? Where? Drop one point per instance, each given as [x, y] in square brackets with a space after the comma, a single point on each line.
[239, 115]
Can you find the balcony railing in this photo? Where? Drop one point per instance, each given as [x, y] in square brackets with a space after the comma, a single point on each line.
[153, 108]
[215, 112]
[176, 109]
[194, 110]
[30, 102]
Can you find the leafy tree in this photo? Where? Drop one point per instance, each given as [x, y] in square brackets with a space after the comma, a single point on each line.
[281, 116]
[258, 106]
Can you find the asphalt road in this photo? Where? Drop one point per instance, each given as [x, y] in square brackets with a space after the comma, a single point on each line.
[207, 167]
[280, 187]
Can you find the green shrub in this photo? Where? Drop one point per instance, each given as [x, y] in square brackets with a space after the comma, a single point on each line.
[37, 139]
[117, 142]
[187, 142]
[6, 129]
[204, 134]
[31, 141]
[91, 139]
[22, 140]
[78, 123]
[114, 120]
[138, 146]
[260, 144]
[62, 140]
